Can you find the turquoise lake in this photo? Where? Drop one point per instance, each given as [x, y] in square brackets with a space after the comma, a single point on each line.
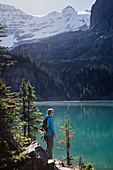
[93, 123]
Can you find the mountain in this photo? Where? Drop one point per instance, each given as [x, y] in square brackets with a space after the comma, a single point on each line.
[24, 28]
[71, 50]
[82, 61]
[76, 49]
[102, 16]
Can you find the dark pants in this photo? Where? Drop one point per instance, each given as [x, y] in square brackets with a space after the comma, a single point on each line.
[49, 141]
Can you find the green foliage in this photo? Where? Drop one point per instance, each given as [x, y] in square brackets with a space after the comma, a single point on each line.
[4, 59]
[10, 157]
[88, 166]
[67, 128]
[95, 81]
[29, 113]
[48, 85]
[90, 83]
[12, 153]
[23, 90]
[69, 135]
[83, 166]
[23, 94]
[8, 145]
[7, 104]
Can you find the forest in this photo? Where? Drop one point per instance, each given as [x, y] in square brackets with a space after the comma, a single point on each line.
[92, 82]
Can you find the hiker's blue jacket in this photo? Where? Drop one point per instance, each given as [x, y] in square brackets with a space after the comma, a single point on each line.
[50, 125]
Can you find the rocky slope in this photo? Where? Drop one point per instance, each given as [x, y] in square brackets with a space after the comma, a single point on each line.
[39, 160]
[71, 50]
[24, 28]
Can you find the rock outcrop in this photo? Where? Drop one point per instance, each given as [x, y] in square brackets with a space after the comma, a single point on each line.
[102, 15]
[39, 159]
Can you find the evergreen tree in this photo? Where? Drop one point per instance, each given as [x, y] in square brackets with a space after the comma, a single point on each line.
[30, 99]
[69, 135]
[23, 95]
[30, 115]
[12, 152]
[33, 114]
[8, 144]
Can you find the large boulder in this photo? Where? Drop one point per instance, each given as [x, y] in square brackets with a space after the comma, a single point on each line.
[39, 159]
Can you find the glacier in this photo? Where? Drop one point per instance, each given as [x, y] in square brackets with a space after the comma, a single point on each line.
[23, 28]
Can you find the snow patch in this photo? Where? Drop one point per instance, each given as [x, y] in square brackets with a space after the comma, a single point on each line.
[8, 41]
[22, 27]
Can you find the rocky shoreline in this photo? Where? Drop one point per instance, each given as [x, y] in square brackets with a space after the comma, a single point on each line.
[39, 160]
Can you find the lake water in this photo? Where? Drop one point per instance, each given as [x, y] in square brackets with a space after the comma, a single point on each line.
[93, 123]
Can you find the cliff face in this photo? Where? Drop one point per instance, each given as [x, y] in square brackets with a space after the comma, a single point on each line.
[102, 15]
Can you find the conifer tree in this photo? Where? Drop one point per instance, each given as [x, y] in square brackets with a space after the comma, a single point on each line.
[30, 98]
[8, 144]
[33, 114]
[23, 95]
[30, 114]
[69, 135]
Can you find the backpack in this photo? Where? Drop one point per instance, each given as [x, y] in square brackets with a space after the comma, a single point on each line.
[45, 124]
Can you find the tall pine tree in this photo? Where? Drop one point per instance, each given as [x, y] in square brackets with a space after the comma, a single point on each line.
[33, 114]
[69, 135]
[23, 95]
[30, 114]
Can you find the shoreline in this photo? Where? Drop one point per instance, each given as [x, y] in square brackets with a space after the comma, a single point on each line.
[75, 103]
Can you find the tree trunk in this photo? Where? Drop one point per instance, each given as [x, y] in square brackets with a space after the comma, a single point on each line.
[28, 119]
[24, 115]
[67, 147]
